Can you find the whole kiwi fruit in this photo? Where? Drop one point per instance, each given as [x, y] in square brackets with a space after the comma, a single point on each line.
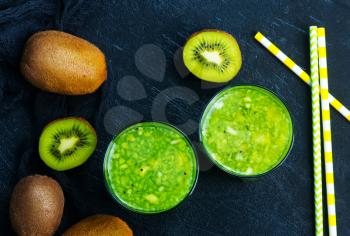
[99, 225]
[36, 206]
[62, 63]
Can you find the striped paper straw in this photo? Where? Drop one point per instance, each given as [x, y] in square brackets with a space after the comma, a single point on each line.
[316, 132]
[299, 72]
[327, 135]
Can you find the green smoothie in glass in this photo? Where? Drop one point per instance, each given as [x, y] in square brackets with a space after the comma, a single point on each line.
[246, 131]
[150, 168]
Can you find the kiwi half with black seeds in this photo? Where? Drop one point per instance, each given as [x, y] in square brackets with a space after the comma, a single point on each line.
[67, 143]
[212, 55]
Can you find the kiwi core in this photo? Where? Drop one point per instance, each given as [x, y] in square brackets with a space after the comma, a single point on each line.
[213, 57]
[67, 144]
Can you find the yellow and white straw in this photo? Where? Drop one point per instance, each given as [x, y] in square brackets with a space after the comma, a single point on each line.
[299, 72]
[327, 135]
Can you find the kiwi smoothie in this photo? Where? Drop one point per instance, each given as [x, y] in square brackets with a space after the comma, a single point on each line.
[150, 168]
[246, 131]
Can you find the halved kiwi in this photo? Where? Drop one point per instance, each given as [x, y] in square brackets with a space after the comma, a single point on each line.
[67, 143]
[212, 55]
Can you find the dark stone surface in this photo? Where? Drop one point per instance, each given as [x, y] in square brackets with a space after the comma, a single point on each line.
[279, 204]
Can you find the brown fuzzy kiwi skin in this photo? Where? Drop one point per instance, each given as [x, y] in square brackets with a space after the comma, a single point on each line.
[99, 225]
[62, 63]
[36, 206]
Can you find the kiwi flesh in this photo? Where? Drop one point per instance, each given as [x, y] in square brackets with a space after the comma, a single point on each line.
[67, 143]
[212, 55]
[97, 225]
[36, 206]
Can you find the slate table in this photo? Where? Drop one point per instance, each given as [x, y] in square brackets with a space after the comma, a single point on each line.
[142, 42]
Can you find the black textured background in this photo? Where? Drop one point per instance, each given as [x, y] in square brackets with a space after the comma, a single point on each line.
[279, 204]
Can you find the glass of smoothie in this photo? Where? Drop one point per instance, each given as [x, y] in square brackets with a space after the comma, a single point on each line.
[246, 131]
[150, 168]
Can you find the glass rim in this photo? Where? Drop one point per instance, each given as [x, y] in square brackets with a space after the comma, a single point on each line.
[126, 206]
[222, 167]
